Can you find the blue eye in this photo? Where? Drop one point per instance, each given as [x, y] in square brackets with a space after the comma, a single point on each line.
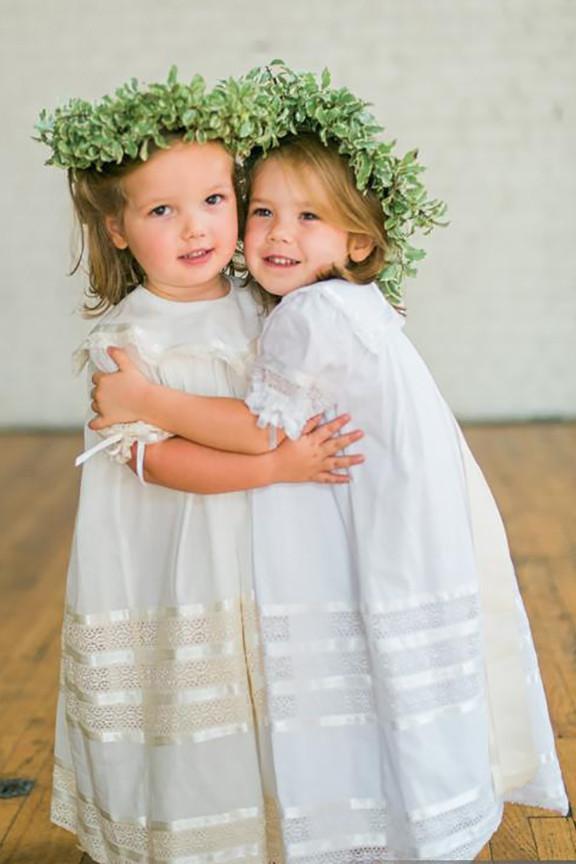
[308, 216]
[261, 211]
[214, 199]
[160, 210]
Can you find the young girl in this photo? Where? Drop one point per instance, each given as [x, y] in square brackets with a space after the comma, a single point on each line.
[156, 755]
[401, 690]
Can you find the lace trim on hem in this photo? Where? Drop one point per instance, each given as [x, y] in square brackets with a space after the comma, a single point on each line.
[318, 664]
[236, 835]
[345, 832]
[160, 675]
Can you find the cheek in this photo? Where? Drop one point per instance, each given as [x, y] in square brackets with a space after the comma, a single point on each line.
[151, 243]
[232, 224]
[150, 247]
[224, 226]
[335, 247]
[254, 234]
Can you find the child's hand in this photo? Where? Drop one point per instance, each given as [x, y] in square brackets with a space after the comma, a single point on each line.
[118, 397]
[313, 457]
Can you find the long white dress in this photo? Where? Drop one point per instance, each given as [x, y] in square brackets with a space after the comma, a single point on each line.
[156, 752]
[400, 687]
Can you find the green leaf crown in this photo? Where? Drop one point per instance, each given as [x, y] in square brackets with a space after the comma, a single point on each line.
[252, 114]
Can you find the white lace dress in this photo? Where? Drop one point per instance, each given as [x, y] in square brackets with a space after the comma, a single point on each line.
[156, 754]
[401, 689]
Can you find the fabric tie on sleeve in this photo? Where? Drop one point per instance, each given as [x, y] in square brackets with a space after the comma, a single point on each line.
[118, 443]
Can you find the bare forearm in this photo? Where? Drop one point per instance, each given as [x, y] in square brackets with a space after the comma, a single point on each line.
[215, 421]
[190, 467]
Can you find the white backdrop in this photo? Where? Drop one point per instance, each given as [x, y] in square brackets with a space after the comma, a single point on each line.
[485, 88]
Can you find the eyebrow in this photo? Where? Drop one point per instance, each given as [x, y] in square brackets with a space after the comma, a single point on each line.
[309, 204]
[224, 184]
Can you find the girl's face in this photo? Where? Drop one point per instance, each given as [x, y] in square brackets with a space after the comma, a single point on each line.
[180, 220]
[288, 241]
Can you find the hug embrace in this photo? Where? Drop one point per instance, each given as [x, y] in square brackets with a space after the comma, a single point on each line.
[275, 650]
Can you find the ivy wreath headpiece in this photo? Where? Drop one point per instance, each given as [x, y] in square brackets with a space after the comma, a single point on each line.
[250, 115]
[303, 102]
[121, 127]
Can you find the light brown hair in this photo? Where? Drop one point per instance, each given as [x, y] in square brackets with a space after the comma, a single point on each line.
[349, 208]
[112, 273]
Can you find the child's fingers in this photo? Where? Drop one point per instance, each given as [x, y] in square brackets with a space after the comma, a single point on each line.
[346, 461]
[327, 430]
[340, 442]
[120, 357]
[312, 424]
[334, 479]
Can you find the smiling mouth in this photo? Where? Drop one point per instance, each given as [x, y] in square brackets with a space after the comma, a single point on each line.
[196, 255]
[280, 261]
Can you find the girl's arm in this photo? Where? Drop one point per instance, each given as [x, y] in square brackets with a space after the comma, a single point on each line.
[190, 467]
[221, 422]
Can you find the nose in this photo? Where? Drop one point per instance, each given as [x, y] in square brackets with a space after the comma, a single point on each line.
[280, 231]
[192, 226]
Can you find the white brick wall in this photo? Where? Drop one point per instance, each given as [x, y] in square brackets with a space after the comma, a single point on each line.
[485, 88]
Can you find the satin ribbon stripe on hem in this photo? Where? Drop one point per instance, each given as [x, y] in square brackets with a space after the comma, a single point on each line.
[181, 840]
[215, 838]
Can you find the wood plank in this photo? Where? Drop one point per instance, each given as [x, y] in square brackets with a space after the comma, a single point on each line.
[33, 569]
[32, 838]
[485, 854]
[37, 525]
[567, 756]
[532, 475]
[514, 840]
[49, 461]
[26, 760]
[563, 571]
[555, 838]
[7, 744]
[554, 636]
[24, 457]
[31, 679]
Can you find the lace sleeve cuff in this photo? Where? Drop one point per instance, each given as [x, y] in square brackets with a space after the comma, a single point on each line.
[117, 441]
[284, 402]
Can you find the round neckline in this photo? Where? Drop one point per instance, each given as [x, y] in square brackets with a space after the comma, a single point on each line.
[167, 303]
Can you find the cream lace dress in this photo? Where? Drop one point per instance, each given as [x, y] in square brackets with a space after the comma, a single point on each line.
[401, 689]
[156, 754]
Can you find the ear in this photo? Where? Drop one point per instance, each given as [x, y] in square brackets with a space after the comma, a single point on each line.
[359, 247]
[115, 232]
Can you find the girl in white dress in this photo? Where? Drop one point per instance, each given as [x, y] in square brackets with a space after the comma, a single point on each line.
[156, 752]
[401, 696]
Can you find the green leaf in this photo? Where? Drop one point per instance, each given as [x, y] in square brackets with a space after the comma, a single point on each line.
[252, 114]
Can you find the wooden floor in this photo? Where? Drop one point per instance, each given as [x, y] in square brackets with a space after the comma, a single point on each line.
[532, 470]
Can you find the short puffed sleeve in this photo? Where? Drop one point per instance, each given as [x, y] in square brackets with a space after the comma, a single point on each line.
[117, 440]
[298, 364]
